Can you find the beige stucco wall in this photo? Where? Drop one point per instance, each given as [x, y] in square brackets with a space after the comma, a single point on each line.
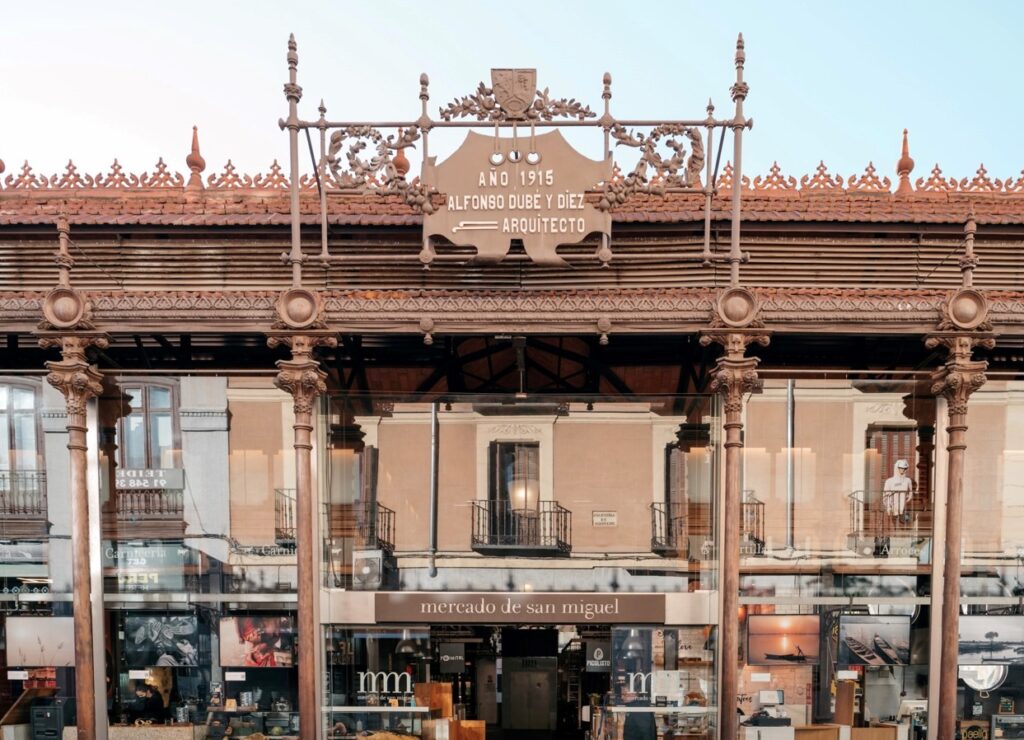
[605, 467]
[595, 465]
[261, 458]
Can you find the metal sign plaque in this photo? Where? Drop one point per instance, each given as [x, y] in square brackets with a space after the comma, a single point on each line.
[518, 608]
[150, 478]
[532, 188]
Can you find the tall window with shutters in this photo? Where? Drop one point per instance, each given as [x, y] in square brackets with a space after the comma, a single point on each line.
[148, 433]
[889, 443]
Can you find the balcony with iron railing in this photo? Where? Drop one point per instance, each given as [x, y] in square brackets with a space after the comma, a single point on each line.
[361, 531]
[673, 524]
[370, 525]
[23, 504]
[145, 513]
[670, 533]
[888, 514]
[500, 529]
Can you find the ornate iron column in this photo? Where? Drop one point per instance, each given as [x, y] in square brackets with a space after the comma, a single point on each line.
[302, 377]
[79, 381]
[955, 381]
[67, 325]
[965, 325]
[734, 377]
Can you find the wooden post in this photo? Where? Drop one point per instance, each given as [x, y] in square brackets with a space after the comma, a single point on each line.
[955, 382]
[734, 377]
[302, 377]
[79, 381]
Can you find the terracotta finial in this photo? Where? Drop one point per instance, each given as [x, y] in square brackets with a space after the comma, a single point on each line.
[903, 168]
[195, 161]
[400, 161]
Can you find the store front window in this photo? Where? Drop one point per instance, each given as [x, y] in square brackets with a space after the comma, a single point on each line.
[36, 625]
[510, 565]
[990, 692]
[198, 553]
[839, 480]
[539, 680]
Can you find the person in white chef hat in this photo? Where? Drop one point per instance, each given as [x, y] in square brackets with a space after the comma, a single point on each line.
[897, 492]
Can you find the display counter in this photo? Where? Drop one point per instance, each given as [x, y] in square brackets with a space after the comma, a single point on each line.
[884, 731]
[802, 732]
[146, 732]
[823, 732]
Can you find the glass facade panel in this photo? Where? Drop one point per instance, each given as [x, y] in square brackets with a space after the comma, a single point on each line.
[35, 576]
[839, 486]
[513, 551]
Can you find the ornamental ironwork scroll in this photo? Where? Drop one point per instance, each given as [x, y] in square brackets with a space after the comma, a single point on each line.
[460, 203]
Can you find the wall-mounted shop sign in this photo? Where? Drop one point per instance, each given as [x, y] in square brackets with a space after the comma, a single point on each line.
[518, 608]
[385, 682]
[149, 567]
[453, 657]
[22, 552]
[599, 656]
[150, 478]
[528, 187]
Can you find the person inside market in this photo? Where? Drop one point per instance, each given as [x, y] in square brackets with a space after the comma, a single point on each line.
[148, 705]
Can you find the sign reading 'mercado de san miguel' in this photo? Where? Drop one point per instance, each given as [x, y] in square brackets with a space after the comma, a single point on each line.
[530, 187]
[518, 608]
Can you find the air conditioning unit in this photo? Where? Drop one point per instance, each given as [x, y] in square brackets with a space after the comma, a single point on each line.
[367, 570]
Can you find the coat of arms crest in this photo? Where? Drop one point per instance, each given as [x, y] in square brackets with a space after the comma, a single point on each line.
[514, 89]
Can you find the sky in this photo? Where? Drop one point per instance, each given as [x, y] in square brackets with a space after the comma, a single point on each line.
[831, 81]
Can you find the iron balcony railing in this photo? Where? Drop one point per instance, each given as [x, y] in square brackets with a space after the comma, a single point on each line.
[500, 528]
[752, 520]
[136, 504]
[23, 495]
[284, 516]
[887, 513]
[369, 525]
[669, 533]
[672, 525]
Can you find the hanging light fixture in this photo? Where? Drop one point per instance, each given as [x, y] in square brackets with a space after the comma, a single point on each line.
[983, 677]
[406, 646]
[524, 488]
[633, 644]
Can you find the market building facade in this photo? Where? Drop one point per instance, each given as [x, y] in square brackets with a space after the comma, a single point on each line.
[528, 441]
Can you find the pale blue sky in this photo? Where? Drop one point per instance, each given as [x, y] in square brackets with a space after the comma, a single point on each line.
[833, 81]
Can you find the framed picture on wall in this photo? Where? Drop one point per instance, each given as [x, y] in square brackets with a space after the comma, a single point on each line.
[161, 640]
[783, 639]
[874, 640]
[257, 641]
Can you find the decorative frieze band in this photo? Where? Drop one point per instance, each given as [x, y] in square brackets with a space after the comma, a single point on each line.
[402, 311]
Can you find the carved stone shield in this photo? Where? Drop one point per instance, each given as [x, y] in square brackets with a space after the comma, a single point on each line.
[514, 89]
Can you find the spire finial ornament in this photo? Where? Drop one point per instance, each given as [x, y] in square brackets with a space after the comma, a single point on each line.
[195, 162]
[292, 91]
[903, 168]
